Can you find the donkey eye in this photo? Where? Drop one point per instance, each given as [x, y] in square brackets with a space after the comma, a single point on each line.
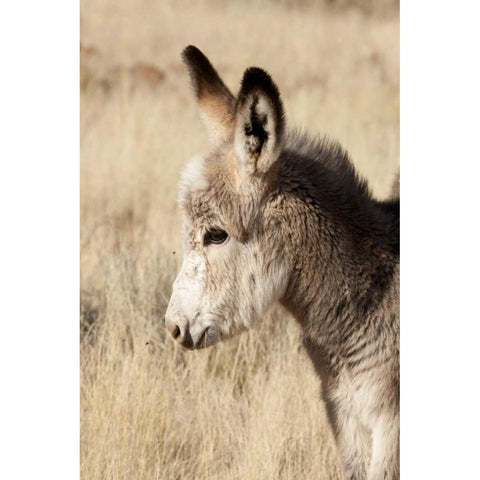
[215, 235]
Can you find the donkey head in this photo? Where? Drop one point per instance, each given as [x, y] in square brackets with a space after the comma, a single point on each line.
[234, 267]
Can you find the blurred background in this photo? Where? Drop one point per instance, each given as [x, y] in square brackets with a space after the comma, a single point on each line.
[245, 409]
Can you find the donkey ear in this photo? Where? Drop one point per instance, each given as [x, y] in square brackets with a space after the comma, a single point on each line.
[259, 122]
[214, 99]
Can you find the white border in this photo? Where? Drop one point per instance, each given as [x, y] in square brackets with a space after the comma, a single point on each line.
[39, 202]
[439, 239]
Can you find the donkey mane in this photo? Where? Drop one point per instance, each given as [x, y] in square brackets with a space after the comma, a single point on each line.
[319, 171]
[331, 159]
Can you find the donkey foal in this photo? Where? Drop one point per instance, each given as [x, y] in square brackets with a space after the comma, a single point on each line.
[274, 215]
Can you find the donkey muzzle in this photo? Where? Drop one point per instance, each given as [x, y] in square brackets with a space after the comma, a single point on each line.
[194, 334]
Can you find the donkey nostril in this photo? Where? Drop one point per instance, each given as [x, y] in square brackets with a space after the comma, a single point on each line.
[202, 341]
[182, 335]
[176, 332]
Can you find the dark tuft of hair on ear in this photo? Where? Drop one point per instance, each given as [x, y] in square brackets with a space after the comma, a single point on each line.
[258, 80]
[204, 78]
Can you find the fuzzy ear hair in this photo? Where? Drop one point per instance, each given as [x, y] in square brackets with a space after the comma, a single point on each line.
[259, 122]
[216, 103]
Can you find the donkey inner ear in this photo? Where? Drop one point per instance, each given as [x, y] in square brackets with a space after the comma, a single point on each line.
[216, 103]
[259, 122]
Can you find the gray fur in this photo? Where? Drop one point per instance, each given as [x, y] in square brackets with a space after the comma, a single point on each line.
[344, 291]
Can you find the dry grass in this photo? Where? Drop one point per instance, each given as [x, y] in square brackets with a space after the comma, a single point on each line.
[245, 409]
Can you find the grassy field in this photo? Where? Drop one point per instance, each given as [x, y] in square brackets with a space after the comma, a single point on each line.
[246, 409]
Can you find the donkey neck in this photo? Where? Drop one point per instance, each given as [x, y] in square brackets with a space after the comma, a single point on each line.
[342, 246]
